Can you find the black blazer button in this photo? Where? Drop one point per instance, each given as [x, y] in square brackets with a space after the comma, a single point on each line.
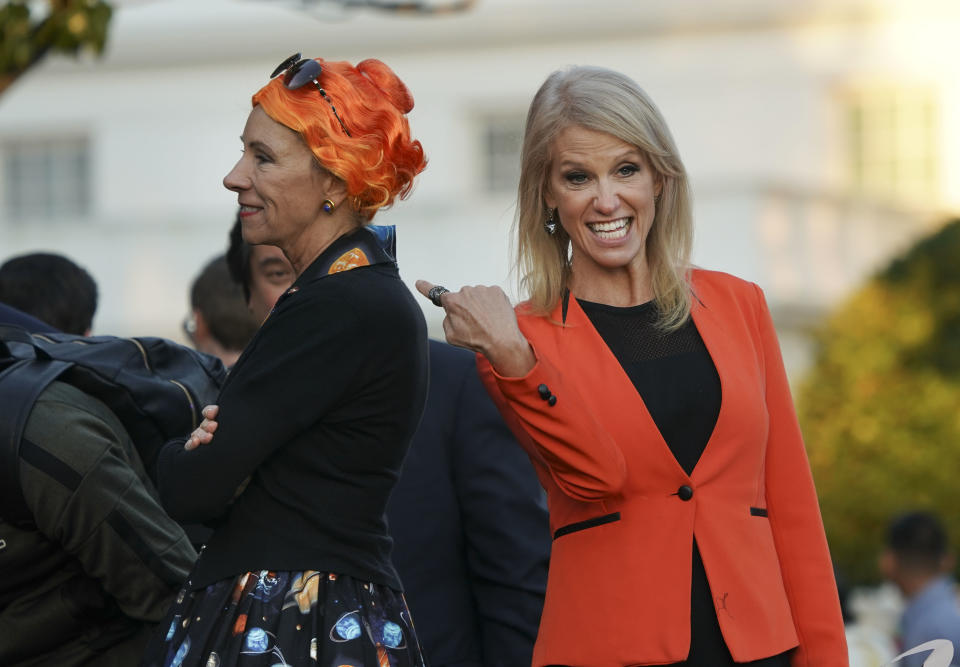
[552, 401]
[685, 492]
[544, 391]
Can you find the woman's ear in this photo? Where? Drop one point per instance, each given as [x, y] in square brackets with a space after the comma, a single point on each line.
[333, 187]
[549, 200]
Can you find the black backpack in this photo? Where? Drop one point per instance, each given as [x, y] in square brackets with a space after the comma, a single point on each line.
[154, 386]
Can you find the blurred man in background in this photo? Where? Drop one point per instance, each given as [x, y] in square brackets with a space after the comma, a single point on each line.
[917, 559]
[52, 289]
[262, 271]
[220, 323]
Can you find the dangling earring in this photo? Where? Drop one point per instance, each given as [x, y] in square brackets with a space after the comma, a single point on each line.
[550, 224]
[328, 206]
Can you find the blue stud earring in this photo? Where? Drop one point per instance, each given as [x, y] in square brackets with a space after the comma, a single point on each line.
[328, 206]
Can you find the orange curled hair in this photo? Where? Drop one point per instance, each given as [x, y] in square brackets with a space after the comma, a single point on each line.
[379, 159]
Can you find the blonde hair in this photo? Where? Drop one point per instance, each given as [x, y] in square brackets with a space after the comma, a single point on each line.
[606, 101]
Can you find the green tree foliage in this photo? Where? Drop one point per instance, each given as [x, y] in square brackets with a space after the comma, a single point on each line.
[880, 409]
[63, 26]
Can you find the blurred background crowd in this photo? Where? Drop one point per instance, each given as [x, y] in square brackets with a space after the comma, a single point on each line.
[822, 139]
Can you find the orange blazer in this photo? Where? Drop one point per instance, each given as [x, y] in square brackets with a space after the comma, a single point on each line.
[624, 513]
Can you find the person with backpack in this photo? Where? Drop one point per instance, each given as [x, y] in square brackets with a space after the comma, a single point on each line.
[97, 561]
[90, 558]
[316, 416]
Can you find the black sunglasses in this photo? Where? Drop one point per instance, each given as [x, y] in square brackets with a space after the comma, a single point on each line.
[300, 72]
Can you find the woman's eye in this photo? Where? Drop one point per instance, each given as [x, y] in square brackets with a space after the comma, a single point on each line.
[260, 158]
[628, 170]
[576, 177]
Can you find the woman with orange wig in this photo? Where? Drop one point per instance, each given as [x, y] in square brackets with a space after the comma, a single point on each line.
[315, 418]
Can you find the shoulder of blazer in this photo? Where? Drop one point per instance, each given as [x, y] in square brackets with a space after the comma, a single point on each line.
[704, 282]
[725, 295]
[715, 288]
[531, 321]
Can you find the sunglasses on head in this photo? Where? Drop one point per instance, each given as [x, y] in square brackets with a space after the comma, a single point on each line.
[300, 72]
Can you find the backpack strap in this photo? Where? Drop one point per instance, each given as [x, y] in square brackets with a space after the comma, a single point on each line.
[21, 339]
[20, 386]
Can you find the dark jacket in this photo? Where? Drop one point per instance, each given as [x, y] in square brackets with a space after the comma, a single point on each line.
[104, 561]
[10, 315]
[317, 413]
[470, 528]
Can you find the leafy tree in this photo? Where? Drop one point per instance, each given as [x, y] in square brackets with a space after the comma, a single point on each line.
[880, 409]
[67, 26]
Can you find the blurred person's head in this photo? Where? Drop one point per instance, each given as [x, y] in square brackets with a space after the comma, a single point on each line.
[51, 288]
[220, 323]
[608, 106]
[916, 551]
[326, 146]
[262, 271]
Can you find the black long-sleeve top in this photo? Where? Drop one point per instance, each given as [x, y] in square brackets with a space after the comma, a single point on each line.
[317, 413]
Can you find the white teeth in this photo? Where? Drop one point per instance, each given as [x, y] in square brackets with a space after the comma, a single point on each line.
[615, 229]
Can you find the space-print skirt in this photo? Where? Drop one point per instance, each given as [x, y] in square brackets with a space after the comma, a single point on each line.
[273, 619]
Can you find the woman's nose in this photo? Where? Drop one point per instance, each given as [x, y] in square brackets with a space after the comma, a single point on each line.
[235, 179]
[606, 200]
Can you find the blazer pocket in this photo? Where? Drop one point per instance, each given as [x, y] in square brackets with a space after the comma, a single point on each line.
[758, 511]
[586, 523]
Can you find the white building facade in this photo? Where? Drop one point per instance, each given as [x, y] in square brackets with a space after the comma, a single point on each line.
[820, 137]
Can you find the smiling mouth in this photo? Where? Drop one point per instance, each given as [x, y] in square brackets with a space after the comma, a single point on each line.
[611, 230]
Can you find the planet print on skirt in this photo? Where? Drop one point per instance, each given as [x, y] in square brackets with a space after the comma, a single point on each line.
[287, 619]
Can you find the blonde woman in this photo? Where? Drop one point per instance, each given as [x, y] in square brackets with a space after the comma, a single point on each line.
[652, 400]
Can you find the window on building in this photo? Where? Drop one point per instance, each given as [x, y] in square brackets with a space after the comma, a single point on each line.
[46, 179]
[894, 143]
[502, 139]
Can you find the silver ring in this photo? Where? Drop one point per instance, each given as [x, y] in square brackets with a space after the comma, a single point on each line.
[435, 293]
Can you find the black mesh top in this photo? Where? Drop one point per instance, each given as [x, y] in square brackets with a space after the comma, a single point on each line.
[672, 372]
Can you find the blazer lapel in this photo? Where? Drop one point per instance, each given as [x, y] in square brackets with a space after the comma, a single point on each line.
[606, 387]
[725, 331]
[719, 346]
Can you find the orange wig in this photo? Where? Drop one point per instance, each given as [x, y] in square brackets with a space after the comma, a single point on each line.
[379, 159]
